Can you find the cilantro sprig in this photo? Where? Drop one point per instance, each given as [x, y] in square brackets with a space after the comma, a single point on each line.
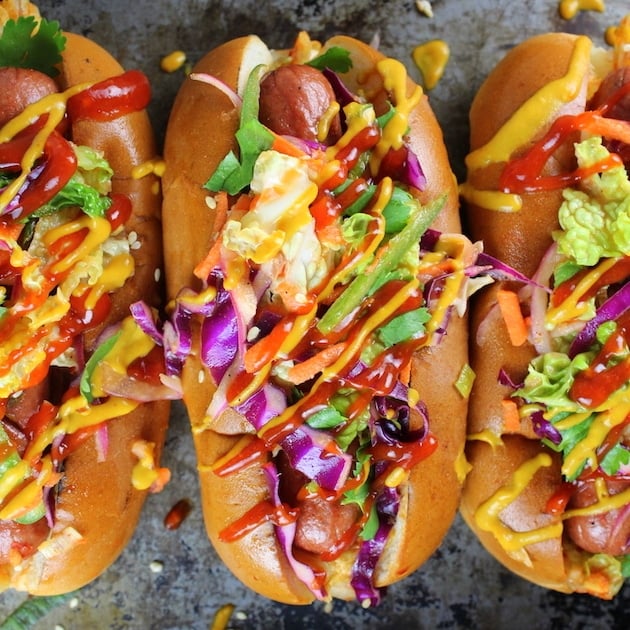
[335, 58]
[25, 43]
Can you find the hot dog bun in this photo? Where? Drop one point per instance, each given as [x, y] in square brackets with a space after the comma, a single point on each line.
[515, 478]
[97, 504]
[430, 494]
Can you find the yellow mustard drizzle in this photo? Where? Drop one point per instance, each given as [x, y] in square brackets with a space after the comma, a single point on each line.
[395, 81]
[487, 436]
[98, 229]
[534, 115]
[431, 59]
[30, 496]
[605, 503]
[462, 466]
[529, 120]
[568, 9]
[12, 478]
[114, 276]
[488, 513]
[570, 307]
[586, 449]
[384, 195]
[359, 117]
[490, 199]
[323, 126]
[55, 106]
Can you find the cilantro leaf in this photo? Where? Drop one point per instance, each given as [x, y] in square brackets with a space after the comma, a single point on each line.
[406, 326]
[25, 44]
[335, 58]
[616, 457]
[325, 418]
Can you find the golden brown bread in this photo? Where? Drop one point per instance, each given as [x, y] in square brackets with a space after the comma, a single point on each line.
[97, 499]
[432, 489]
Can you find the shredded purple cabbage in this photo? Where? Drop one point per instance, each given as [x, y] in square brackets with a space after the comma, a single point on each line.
[343, 95]
[267, 403]
[177, 340]
[412, 174]
[370, 551]
[498, 270]
[219, 336]
[505, 379]
[309, 451]
[612, 308]
[544, 429]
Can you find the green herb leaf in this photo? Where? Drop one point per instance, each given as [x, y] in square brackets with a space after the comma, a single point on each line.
[326, 418]
[232, 174]
[371, 526]
[616, 457]
[409, 325]
[24, 46]
[335, 58]
[85, 385]
[398, 210]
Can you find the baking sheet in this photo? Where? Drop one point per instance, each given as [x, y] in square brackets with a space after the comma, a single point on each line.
[172, 579]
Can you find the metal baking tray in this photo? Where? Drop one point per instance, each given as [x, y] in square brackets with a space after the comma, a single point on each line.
[167, 580]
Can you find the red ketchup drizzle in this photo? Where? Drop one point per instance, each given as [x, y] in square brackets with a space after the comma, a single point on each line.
[262, 512]
[524, 174]
[327, 208]
[558, 501]
[112, 98]
[593, 386]
[617, 273]
[55, 169]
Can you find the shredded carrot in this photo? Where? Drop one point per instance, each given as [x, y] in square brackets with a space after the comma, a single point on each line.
[331, 234]
[289, 292]
[282, 145]
[259, 354]
[511, 418]
[203, 268]
[405, 373]
[304, 371]
[438, 269]
[513, 316]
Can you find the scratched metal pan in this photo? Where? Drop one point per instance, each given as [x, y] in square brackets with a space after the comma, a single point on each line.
[172, 579]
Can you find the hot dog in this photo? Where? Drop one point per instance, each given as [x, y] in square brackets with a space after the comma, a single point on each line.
[327, 449]
[549, 489]
[84, 413]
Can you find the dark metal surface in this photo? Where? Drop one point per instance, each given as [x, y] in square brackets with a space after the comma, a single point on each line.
[460, 586]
